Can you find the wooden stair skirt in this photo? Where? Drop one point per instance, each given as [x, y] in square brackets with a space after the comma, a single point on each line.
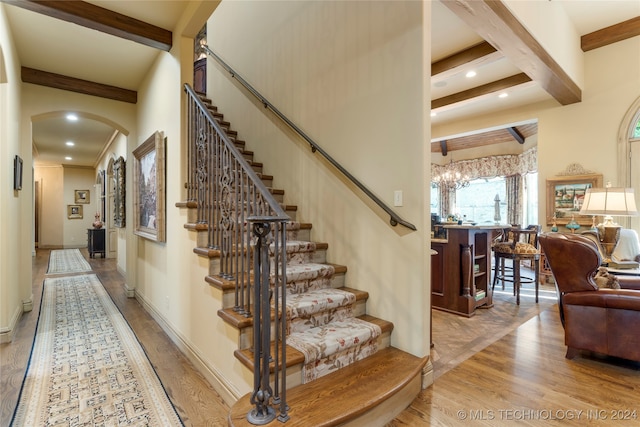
[370, 392]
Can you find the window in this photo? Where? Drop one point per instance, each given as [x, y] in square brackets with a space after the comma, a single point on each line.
[531, 198]
[477, 201]
[636, 132]
[435, 199]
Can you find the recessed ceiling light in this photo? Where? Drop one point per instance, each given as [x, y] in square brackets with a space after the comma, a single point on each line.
[69, 143]
[470, 74]
[68, 158]
[503, 95]
[433, 114]
[72, 117]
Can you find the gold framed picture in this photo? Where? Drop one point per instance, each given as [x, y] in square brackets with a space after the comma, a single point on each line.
[149, 188]
[82, 196]
[565, 195]
[74, 212]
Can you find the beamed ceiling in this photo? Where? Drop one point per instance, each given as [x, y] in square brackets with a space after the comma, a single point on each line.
[120, 40]
[514, 134]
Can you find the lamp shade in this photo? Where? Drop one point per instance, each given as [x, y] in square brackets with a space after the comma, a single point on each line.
[611, 201]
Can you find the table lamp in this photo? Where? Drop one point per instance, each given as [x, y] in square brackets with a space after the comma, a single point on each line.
[609, 201]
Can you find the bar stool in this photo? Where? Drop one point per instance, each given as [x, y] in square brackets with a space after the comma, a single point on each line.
[517, 244]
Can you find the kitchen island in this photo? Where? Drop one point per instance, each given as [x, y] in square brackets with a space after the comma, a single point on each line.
[461, 270]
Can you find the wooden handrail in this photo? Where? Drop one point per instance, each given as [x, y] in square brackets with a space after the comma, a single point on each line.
[394, 219]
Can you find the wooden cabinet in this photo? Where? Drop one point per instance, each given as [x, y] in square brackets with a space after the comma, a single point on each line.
[95, 242]
[461, 272]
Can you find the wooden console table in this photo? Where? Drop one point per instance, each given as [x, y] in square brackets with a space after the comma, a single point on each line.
[461, 271]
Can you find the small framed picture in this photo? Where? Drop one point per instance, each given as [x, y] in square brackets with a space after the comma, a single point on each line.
[82, 196]
[74, 211]
[17, 173]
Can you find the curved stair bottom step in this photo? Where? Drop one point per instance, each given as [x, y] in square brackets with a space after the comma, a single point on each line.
[369, 393]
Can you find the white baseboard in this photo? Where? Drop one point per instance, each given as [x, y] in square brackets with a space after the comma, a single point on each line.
[6, 333]
[427, 374]
[224, 388]
[27, 305]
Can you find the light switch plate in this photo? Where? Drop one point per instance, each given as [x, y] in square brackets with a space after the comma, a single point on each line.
[397, 198]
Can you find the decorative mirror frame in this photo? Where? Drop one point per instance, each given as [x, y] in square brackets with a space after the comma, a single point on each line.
[119, 167]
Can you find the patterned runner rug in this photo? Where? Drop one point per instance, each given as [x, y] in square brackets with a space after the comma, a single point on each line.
[65, 261]
[86, 367]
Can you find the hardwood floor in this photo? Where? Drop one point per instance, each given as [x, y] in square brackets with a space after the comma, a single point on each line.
[522, 377]
[196, 401]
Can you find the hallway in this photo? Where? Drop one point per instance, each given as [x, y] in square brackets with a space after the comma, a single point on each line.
[196, 401]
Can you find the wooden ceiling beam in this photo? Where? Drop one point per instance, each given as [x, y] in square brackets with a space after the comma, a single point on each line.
[443, 147]
[612, 34]
[495, 23]
[486, 89]
[481, 54]
[100, 19]
[516, 135]
[58, 81]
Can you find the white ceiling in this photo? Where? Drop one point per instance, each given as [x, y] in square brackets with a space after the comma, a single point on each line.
[451, 35]
[64, 48]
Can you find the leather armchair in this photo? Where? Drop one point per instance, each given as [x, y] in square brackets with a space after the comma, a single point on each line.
[602, 320]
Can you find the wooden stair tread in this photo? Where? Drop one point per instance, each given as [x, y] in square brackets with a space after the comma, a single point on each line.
[360, 386]
[187, 204]
[229, 285]
[294, 356]
[207, 252]
[239, 321]
[196, 226]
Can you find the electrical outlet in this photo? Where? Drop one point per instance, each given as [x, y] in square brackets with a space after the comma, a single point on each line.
[397, 198]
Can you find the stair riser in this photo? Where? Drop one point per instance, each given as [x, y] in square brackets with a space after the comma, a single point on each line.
[337, 281]
[292, 214]
[294, 373]
[245, 338]
[268, 182]
[301, 234]
[319, 256]
[192, 215]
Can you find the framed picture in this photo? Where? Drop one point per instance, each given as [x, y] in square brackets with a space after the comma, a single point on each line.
[17, 173]
[119, 193]
[149, 188]
[74, 211]
[81, 196]
[565, 195]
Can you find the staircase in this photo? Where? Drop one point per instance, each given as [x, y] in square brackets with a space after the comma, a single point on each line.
[340, 367]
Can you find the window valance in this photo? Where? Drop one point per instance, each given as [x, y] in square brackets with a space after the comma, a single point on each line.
[493, 166]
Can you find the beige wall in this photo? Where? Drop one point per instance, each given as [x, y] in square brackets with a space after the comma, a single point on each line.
[168, 278]
[351, 74]
[15, 206]
[52, 208]
[57, 190]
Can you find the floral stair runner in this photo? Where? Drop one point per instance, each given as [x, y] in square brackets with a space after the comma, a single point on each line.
[321, 324]
[321, 319]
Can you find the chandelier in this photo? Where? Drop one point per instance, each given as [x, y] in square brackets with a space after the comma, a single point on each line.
[450, 178]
